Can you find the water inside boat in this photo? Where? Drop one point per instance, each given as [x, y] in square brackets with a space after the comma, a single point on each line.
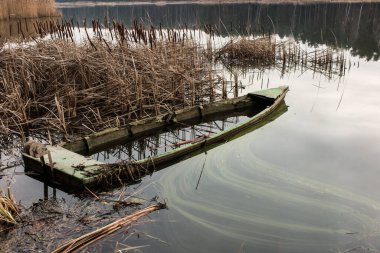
[171, 139]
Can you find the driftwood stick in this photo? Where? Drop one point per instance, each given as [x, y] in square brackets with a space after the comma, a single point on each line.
[90, 238]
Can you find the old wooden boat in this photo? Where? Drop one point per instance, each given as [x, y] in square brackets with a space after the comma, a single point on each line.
[66, 165]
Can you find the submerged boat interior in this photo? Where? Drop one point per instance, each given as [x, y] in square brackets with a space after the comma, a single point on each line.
[149, 145]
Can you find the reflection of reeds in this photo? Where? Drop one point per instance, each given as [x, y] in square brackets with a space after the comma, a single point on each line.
[8, 208]
[27, 9]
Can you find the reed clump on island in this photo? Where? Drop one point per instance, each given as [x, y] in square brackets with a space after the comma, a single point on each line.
[265, 52]
[16, 9]
[255, 52]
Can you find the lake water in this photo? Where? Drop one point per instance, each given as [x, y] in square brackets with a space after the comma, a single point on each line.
[306, 182]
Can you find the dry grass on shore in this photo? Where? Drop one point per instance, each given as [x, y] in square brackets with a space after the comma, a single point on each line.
[10, 9]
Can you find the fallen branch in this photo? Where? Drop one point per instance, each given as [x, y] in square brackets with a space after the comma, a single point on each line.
[87, 239]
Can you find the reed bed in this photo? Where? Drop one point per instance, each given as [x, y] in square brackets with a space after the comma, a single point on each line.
[8, 209]
[11, 9]
[265, 52]
[114, 75]
[59, 86]
[253, 52]
[21, 28]
[330, 62]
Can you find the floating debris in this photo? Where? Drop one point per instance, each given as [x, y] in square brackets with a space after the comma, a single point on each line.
[50, 223]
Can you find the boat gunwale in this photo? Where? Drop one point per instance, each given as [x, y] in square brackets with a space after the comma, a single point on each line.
[91, 177]
[223, 134]
[187, 149]
[106, 138]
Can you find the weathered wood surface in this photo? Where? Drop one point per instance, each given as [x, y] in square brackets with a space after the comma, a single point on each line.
[63, 166]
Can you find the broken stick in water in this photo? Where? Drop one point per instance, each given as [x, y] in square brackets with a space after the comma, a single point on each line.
[87, 239]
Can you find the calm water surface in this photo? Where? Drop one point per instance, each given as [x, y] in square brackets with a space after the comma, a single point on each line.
[306, 182]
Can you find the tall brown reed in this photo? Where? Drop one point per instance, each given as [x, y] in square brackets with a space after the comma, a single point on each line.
[27, 9]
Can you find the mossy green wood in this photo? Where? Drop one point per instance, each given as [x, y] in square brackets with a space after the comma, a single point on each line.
[68, 168]
[273, 93]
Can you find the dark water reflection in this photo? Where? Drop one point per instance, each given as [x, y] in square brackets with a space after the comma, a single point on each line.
[306, 182]
[355, 26]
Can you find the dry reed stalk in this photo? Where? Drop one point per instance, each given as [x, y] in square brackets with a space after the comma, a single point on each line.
[10, 9]
[110, 175]
[8, 208]
[87, 239]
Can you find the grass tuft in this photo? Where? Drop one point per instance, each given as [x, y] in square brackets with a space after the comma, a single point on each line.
[8, 208]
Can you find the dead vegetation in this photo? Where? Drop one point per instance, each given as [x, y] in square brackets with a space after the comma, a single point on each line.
[116, 174]
[62, 86]
[11, 9]
[8, 209]
[90, 238]
[257, 52]
[51, 223]
[20, 28]
[265, 52]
